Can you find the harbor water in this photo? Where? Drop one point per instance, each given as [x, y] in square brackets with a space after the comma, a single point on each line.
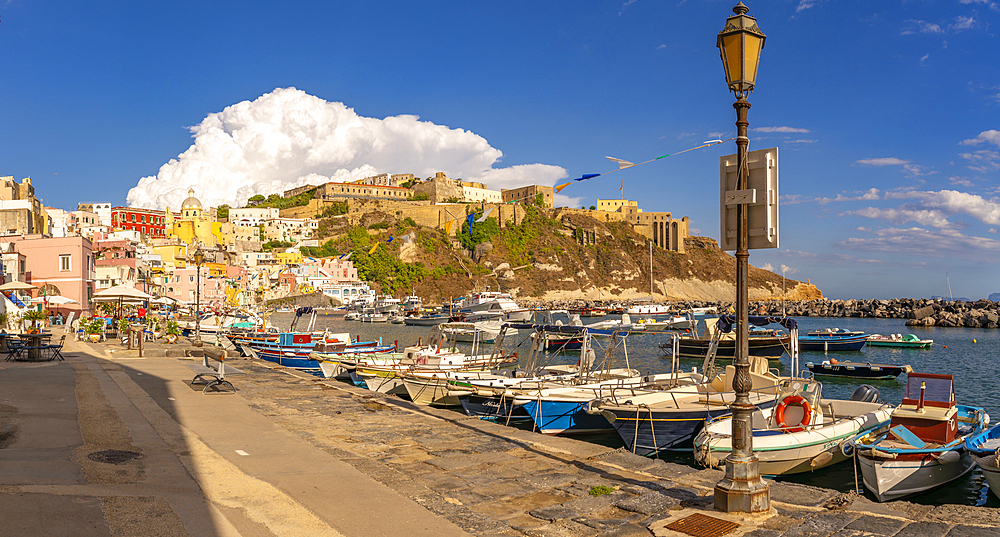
[966, 353]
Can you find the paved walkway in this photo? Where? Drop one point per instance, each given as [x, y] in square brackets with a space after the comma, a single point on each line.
[291, 454]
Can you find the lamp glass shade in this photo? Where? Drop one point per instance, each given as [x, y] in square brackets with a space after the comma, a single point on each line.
[740, 44]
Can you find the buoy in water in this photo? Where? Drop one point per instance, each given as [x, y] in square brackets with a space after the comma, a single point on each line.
[945, 346]
[974, 340]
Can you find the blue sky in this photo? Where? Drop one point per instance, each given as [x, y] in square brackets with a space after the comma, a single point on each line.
[885, 113]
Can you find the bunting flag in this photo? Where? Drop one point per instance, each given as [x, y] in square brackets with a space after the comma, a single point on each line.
[390, 239]
[409, 237]
[471, 218]
[447, 227]
[372, 251]
[485, 215]
[624, 164]
[621, 187]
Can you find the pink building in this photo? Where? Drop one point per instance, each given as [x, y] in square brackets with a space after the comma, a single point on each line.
[58, 266]
[183, 285]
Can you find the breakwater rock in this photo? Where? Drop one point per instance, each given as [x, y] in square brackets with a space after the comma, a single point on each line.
[916, 311]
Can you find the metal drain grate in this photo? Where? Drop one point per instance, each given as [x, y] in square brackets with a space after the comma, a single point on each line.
[700, 525]
[114, 456]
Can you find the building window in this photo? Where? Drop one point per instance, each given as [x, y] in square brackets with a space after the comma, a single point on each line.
[64, 263]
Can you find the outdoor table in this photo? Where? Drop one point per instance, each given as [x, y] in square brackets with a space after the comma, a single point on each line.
[33, 345]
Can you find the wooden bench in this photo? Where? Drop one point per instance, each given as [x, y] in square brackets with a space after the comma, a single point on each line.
[210, 374]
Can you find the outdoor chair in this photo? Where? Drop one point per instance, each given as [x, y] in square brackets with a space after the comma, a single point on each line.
[16, 348]
[55, 351]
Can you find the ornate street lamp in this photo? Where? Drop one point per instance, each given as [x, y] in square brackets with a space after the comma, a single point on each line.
[742, 490]
[198, 259]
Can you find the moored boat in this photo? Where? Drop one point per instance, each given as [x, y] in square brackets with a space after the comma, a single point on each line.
[899, 340]
[832, 343]
[985, 450]
[857, 370]
[923, 446]
[802, 432]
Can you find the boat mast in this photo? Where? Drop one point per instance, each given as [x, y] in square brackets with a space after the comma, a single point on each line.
[650, 269]
[951, 298]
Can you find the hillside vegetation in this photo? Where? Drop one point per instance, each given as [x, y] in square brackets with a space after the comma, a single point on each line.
[544, 258]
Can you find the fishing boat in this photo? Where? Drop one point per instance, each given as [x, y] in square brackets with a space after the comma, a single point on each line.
[985, 450]
[677, 322]
[762, 342]
[425, 320]
[668, 420]
[923, 446]
[495, 302]
[481, 331]
[835, 332]
[910, 341]
[858, 370]
[648, 309]
[802, 432]
[832, 343]
[293, 349]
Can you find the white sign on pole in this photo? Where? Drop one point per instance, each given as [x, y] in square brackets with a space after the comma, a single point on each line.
[761, 197]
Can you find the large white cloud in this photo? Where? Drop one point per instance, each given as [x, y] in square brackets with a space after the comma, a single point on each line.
[288, 138]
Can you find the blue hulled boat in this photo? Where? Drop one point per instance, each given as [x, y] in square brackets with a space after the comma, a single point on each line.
[828, 343]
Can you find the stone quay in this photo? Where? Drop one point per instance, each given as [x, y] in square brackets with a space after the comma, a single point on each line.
[107, 443]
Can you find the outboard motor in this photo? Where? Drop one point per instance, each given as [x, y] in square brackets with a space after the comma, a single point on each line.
[865, 393]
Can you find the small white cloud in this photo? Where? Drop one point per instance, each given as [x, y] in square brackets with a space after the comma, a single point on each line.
[883, 161]
[806, 4]
[924, 217]
[768, 267]
[924, 58]
[800, 141]
[991, 136]
[785, 269]
[982, 161]
[991, 230]
[661, 46]
[780, 129]
[962, 23]
[954, 202]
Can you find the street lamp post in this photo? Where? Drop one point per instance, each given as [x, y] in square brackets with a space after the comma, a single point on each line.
[199, 258]
[742, 489]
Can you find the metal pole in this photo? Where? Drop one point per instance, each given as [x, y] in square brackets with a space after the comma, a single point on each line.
[742, 490]
[197, 303]
[650, 269]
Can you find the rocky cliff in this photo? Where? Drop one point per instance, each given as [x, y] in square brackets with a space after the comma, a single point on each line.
[543, 257]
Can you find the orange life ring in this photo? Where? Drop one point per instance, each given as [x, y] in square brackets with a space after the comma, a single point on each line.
[779, 413]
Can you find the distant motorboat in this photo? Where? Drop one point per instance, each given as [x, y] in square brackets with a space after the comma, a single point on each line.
[899, 340]
[425, 320]
[648, 309]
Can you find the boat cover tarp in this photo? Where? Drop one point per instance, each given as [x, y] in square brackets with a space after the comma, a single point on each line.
[726, 322]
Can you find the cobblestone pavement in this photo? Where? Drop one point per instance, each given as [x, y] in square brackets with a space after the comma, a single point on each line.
[495, 480]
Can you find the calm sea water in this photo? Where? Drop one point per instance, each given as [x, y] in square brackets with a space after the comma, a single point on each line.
[965, 353]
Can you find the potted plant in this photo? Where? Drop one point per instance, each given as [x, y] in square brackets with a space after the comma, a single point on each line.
[3, 321]
[173, 331]
[34, 316]
[154, 326]
[93, 327]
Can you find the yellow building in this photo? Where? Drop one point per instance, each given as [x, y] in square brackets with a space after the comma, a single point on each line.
[193, 225]
[288, 258]
[615, 206]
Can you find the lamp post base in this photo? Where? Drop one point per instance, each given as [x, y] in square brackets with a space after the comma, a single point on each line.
[742, 490]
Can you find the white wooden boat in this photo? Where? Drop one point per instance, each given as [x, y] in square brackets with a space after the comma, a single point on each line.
[923, 447]
[802, 432]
